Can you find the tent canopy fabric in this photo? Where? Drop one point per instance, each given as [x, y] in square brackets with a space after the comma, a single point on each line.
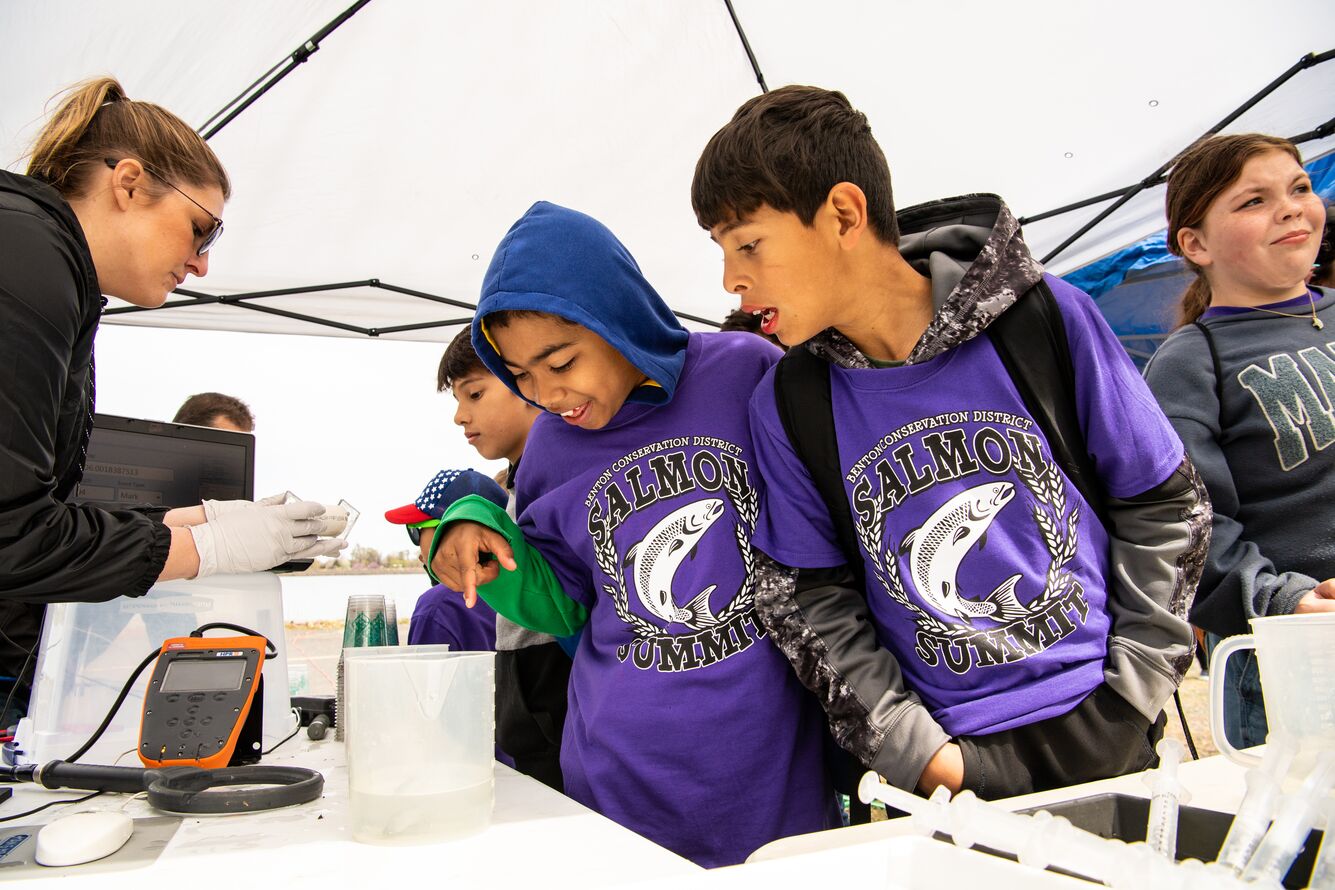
[397, 154]
[1138, 287]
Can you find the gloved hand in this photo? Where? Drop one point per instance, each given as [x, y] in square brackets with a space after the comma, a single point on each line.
[261, 537]
[214, 509]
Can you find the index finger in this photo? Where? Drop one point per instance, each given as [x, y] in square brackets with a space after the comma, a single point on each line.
[470, 586]
[501, 549]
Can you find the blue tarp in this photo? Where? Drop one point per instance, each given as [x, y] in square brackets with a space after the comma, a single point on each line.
[1137, 288]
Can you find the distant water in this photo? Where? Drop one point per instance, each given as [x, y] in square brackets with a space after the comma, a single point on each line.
[325, 597]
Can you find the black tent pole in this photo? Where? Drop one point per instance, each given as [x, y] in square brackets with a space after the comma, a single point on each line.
[1306, 61]
[299, 55]
[1319, 132]
[746, 45]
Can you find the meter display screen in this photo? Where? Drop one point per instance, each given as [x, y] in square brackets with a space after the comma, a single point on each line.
[204, 674]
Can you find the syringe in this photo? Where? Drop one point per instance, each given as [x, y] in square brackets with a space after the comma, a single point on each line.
[1298, 813]
[1258, 804]
[1041, 840]
[1323, 872]
[1166, 793]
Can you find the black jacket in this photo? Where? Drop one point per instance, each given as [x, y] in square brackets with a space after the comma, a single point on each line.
[51, 551]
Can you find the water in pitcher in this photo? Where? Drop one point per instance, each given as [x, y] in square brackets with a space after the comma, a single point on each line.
[423, 814]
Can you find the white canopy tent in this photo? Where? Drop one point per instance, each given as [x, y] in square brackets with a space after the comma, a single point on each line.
[417, 132]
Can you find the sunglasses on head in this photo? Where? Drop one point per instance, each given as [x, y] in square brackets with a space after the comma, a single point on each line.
[415, 531]
[203, 240]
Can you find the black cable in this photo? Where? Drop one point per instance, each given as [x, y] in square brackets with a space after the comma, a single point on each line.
[54, 803]
[268, 643]
[129, 684]
[1186, 730]
[115, 706]
[279, 743]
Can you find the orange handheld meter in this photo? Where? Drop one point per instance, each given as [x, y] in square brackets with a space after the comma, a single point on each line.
[204, 706]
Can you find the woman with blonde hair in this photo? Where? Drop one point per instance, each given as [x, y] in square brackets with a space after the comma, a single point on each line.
[1248, 381]
[120, 198]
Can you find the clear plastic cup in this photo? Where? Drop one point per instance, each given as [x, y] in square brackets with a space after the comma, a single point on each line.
[1296, 654]
[421, 738]
[365, 622]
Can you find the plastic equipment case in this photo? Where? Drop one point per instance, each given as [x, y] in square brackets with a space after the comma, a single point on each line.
[88, 651]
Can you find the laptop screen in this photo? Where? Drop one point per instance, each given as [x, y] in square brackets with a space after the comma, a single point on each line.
[135, 463]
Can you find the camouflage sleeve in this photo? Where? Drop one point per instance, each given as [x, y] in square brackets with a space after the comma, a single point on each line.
[819, 620]
[1158, 541]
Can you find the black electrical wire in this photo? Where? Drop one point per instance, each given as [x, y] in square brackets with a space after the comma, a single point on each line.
[115, 706]
[129, 684]
[212, 625]
[277, 744]
[54, 803]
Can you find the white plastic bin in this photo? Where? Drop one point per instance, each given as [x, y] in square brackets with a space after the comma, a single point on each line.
[89, 650]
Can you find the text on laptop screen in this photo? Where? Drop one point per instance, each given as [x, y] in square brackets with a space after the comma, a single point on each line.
[133, 463]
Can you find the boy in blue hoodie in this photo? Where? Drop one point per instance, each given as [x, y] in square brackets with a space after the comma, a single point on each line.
[636, 499]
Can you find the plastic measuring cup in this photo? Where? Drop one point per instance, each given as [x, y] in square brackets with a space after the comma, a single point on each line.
[1296, 654]
[420, 740]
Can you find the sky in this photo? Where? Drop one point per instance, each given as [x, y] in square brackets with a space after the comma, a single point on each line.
[336, 418]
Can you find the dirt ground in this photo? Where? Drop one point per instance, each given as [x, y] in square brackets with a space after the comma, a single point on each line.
[312, 657]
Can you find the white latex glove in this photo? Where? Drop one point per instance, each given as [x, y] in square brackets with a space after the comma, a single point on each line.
[261, 537]
[214, 509]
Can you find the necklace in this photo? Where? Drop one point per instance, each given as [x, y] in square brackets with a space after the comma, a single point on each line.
[1316, 322]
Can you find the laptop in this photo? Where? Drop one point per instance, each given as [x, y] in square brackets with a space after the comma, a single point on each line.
[137, 463]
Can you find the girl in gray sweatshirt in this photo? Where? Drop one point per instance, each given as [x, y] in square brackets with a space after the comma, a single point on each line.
[1248, 381]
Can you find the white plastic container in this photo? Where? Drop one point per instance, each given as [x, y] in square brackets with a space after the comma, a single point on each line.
[420, 738]
[89, 650]
[1297, 660]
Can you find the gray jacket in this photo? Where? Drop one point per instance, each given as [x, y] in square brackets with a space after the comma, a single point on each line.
[979, 265]
[1263, 452]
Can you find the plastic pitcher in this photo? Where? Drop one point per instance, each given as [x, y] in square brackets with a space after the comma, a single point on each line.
[421, 738]
[1296, 654]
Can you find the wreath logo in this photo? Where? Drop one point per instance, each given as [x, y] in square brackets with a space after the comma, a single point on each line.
[713, 631]
[957, 639]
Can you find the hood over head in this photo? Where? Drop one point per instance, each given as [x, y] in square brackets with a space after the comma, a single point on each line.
[564, 263]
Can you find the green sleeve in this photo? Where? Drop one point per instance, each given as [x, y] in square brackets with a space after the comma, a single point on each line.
[530, 596]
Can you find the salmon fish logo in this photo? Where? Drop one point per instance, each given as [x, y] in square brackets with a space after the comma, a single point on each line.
[937, 547]
[661, 552]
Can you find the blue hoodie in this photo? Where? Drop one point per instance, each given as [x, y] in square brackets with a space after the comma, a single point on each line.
[565, 263]
[686, 723]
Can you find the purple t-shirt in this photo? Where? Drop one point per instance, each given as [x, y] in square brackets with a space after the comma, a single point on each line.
[986, 569]
[686, 724]
[441, 617]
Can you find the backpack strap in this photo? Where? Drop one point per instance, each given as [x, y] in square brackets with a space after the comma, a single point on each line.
[1214, 358]
[802, 391]
[1030, 338]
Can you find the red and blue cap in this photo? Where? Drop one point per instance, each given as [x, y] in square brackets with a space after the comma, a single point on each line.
[444, 489]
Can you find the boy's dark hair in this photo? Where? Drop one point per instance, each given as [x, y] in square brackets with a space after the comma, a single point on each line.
[201, 408]
[787, 149]
[502, 317]
[739, 320]
[459, 360]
